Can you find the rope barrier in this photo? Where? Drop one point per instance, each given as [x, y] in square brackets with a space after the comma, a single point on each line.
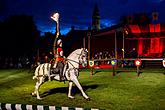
[6, 106]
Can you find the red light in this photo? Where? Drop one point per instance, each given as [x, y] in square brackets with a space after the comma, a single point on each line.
[163, 63]
[138, 62]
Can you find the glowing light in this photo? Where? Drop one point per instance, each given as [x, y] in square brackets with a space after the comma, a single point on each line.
[126, 31]
[163, 62]
[137, 62]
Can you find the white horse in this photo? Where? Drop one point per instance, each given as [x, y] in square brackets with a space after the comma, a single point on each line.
[77, 57]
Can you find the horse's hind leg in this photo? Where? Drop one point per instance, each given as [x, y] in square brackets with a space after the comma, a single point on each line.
[37, 86]
[37, 90]
[70, 89]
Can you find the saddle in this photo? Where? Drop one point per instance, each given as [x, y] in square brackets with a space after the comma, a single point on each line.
[60, 65]
[58, 70]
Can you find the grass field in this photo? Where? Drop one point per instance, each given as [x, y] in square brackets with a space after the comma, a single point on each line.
[125, 91]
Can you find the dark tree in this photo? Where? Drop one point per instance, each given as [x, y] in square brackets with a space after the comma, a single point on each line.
[46, 42]
[19, 36]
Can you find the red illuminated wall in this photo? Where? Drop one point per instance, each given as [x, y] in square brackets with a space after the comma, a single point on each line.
[140, 47]
[154, 46]
[151, 47]
[154, 28]
[161, 45]
[150, 41]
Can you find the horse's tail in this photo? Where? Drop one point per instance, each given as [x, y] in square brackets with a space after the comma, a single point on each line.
[36, 71]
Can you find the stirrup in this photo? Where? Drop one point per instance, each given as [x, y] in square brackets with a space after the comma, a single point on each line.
[62, 78]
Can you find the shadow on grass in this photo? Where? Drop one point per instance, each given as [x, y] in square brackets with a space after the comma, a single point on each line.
[98, 71]
[75, 90]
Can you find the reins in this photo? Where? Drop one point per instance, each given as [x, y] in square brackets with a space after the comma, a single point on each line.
[74, 61]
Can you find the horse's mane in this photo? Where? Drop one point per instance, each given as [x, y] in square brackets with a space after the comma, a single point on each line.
[75, 51]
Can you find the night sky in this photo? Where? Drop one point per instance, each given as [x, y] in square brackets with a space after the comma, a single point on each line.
[78, 13]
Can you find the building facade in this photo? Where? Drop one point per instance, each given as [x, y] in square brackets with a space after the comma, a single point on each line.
[134, 36]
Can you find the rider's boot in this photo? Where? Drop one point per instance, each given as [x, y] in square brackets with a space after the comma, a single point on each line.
[63, 73]
[55, 65]
[52, 71]
[61, 76]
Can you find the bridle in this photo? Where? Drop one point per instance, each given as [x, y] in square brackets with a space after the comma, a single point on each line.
[80, 57]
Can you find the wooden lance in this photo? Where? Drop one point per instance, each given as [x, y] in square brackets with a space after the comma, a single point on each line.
[55, 17]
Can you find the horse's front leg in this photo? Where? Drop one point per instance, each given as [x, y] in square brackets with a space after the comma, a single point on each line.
[75, 80]
[70, 90]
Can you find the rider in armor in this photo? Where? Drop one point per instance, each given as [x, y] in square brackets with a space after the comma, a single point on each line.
[59, 54]
[59, 58]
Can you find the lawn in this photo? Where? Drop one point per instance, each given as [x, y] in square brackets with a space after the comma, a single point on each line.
[125, 91]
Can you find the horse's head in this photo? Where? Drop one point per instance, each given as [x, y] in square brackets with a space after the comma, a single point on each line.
[83, 57]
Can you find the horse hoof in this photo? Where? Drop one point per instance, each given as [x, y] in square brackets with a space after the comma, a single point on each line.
[70, 97]
[88, 99]
[33, 94]
[39, 98]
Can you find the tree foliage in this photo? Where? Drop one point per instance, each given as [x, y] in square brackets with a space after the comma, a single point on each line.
[18, 36]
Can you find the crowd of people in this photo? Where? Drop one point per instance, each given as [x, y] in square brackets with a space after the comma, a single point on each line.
[10, 62]
[26, 62]
[103, 55]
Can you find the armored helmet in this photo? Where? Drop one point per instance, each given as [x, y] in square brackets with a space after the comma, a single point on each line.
[59, 41]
